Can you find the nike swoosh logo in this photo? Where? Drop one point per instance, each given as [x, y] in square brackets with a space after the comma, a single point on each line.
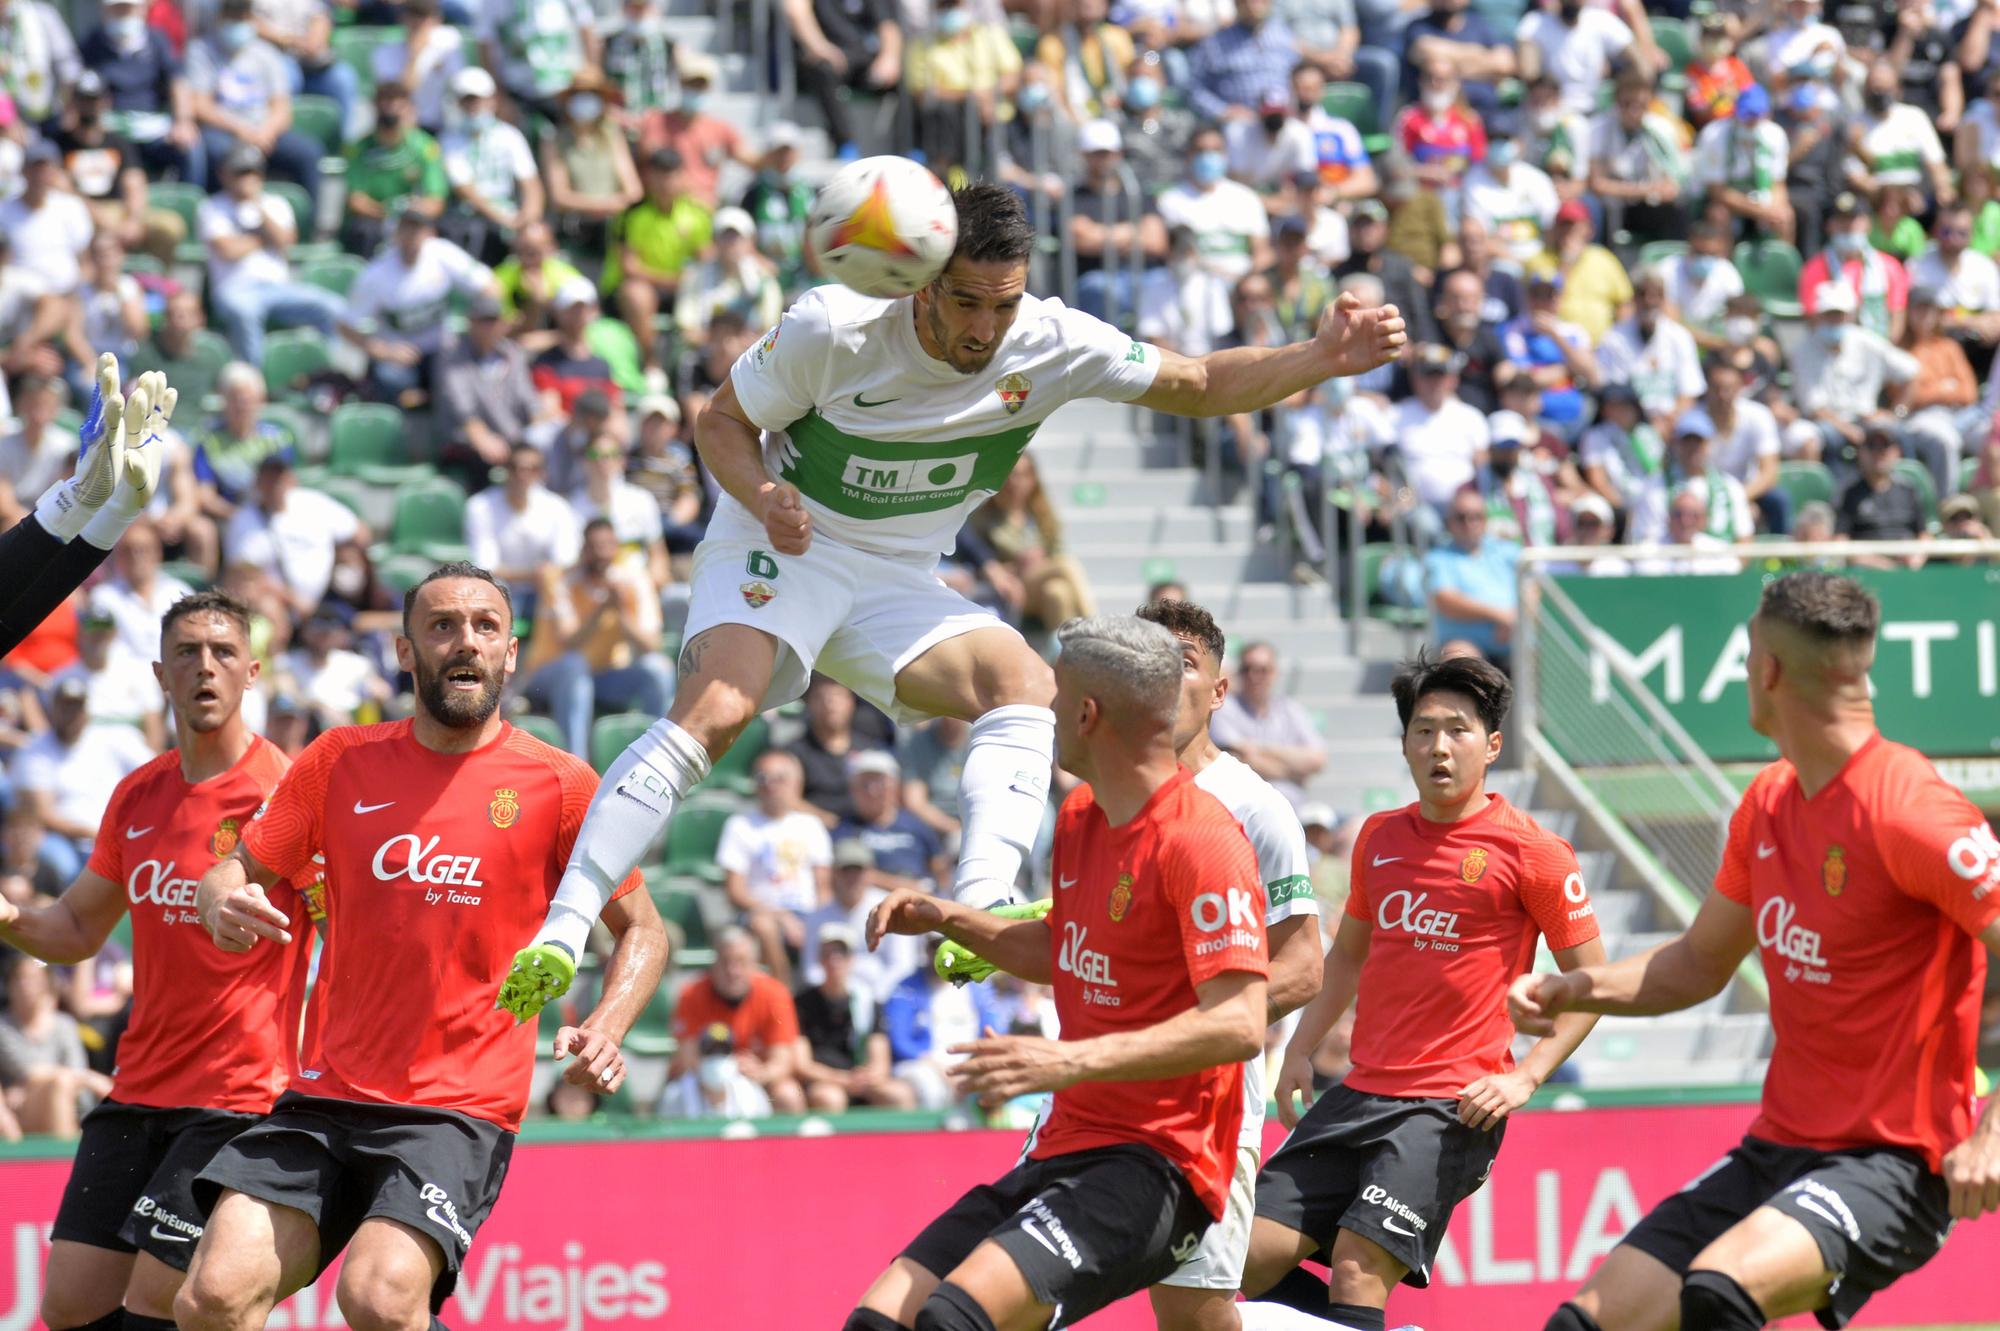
[862, 402]
[1381, 860]
[1066, 882]
[1028, 1227]
[1765, 850]
[359, 807]
[134, 833]
[1389, 1223]
[168, 1237]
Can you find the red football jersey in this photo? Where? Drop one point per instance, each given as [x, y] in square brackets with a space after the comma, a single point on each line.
[1143, 913]
[1867, 899]
[1455, 910]
[210, 1029]
[439, 868]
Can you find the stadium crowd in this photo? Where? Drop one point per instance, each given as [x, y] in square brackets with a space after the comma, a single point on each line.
[446, 278]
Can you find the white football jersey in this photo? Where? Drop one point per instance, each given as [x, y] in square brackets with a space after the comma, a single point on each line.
[1280, 844]
[892, 449]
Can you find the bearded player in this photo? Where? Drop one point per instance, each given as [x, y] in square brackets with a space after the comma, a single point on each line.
[1200, 1295]
[851, 443]
[206, 1050]
[1866, 884]
[1448, 896]
[443, 836]
[1155, 947]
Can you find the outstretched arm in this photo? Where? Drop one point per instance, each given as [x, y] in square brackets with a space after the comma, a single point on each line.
[69, 929]
[1351, 340]
[1675, 975]
[1018, 946]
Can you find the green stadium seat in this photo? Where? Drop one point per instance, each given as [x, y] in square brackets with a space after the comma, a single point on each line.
[1967, 470]
[1354, 103]
[430, 521]
[653, 1033]
[1770, 270]
[732, 770]
[305, 209]
[318, 118]
[308, 434]
[1805, 482]
[543, 728]
[336, 274]
[1373, 556]
[178, 197]
[610, 734]
[692, 838]
[1674, 40]
[367, 440]
[354, 494]
[399, 573]
[292, 357]
[1918, 475]
[682, 907]
[145, 263]
[1658, 251]
[356, 45]
[195, 381]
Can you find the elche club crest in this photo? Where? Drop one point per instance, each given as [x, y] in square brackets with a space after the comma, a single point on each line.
[757, 595]
[1121, 897]
[1833, 871]
[225, 838]
[1473, 865]
[505, 808]
[1013, 390]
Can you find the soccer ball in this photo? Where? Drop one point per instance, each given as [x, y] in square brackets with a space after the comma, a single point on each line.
[883, 226]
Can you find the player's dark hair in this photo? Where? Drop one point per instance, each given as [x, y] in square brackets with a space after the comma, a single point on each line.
[1185, 619]
[457, 568]
[993, 224]
[1469, 676]
[207, 603]
[1826, 607]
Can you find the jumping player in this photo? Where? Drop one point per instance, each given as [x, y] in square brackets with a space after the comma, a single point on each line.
[851, 443]
[76, 521]
[1155, 947]
[1448, 896]
[1865, 883]
[207, 1048]
[1201, 1294]
[442, 836]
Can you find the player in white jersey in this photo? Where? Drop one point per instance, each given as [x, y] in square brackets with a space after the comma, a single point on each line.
[850, 443]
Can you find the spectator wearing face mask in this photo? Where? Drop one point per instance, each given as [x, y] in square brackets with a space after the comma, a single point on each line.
[1637, 167]
[715, 1087]
[1742, 164]
[1154, 133]
[241, 93]
[148, 90]
[538, 48]
[495, 187]
[704, 140]
[1879, 283]
[1440, 133]
[1516, 202]
[1653, 354]
[1894, 143]
[1521, 505]
[1839, 373]
[1231, 231]
[1716, 74]
[1274, 148]
[1700, 284]
[1581, 46]
[587, 163]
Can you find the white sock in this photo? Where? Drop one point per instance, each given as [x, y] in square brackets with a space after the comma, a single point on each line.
[627, 815]
[1002, 795]
[1277, 1317]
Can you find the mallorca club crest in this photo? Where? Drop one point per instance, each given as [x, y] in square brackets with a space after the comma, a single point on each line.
[225, 838]
[1013, 390]
[1121, 897]
[505, 808]
[1833, 871]
[1473, 865]
[757, 595]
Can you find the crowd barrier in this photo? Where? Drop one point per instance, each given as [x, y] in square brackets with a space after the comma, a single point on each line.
[628, 1230]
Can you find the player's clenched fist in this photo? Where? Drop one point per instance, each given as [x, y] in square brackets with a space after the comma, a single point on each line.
[1295, 1078]
[1358, 339]
[1535, 1001]
[235, 910]
[599, 1065]
[784, 517]
[904, 911]
[1972, 1173]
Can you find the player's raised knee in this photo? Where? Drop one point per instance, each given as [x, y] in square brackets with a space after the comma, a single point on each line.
[214, 1298]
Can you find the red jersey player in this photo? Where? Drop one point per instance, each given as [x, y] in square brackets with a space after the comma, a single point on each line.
[1447, 898]
[205, 1052]
[443, 837]
[1155, 946]
[1866, 884]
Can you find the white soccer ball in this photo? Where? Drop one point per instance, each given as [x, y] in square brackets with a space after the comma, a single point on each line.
[883, 226]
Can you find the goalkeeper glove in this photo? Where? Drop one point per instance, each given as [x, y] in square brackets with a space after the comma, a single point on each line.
[961, 965]
[539, 974]
[144, 421]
